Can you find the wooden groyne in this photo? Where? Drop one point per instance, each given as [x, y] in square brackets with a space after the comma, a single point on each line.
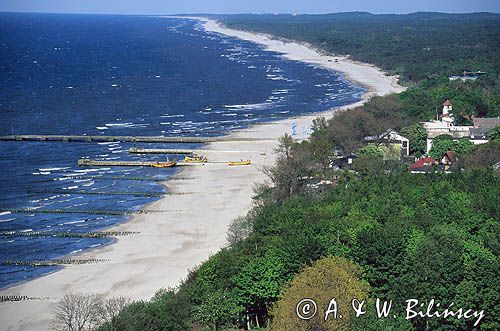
[135, 139]
[81, 192]
[124, 178]
[85, 211]
[105, 163]
[52, 263]
[16, 298]
[68, 234]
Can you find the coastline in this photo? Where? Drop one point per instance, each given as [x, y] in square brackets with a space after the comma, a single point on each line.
[170, 244]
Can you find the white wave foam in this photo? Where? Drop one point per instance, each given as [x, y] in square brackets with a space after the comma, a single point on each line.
[53, 169]
[173, 115]
[73, 222]
[249, 106]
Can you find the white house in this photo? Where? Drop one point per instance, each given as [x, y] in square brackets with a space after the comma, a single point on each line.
[477, 134]
[391, 137]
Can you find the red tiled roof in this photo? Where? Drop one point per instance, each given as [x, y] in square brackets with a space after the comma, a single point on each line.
[449, 154]
[423, 162]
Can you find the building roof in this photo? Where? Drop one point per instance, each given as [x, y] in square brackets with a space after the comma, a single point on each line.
[486, 123]
[388, 135]
[447, 103]
[450, 155]
[478, 133]
[425, 161]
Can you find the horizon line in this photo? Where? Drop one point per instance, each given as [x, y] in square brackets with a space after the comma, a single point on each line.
[247, 13]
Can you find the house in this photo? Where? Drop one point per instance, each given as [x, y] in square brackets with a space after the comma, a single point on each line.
[486, 123]
[448, 160]
[467, 76]
[342, 162]
[463, 78]
[391, 138]
[423, 165]
[477, 134]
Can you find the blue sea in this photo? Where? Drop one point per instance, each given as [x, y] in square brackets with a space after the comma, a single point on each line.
[123, 75]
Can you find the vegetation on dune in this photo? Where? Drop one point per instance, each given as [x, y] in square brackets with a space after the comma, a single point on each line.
[426, 237]
[327, 278]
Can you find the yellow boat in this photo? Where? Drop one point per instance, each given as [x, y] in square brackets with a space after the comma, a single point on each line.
[163, 164]
[239, 163]
[195, 159]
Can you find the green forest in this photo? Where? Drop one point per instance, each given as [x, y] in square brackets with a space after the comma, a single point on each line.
[376, 230]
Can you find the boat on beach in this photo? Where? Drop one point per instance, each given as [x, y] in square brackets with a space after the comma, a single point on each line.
[163, 164]
[239, 163]
[195, 159]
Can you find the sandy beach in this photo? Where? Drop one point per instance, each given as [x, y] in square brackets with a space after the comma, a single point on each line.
[171, 243]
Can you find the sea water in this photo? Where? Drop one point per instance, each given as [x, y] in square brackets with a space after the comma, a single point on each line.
[123, 75]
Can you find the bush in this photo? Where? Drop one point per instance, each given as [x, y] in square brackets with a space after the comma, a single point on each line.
[328, 278]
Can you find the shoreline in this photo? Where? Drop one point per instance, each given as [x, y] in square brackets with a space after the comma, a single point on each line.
[171, 244]
[375, 80]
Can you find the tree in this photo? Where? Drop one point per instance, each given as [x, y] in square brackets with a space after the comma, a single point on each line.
[218, 309]
[371, 149]
[370, 321]
[320, 143]
[137, 316]
[494, 134]
[327, 278]
[285, 145]
[239, 229]
[288, 175]
[417, 136]
[369, 165]
[78, 312]
[444, 143]
[259, 283]
[482, 156]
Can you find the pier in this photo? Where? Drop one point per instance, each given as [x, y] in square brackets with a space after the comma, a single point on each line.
[135, 150]
[134, 139]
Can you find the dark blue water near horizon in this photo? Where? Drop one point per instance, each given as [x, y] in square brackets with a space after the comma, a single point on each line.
[123, 75]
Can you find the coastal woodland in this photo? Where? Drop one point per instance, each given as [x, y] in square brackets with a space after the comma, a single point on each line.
[375, 230]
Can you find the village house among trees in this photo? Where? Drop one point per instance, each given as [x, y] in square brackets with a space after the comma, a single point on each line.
[444, 125]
